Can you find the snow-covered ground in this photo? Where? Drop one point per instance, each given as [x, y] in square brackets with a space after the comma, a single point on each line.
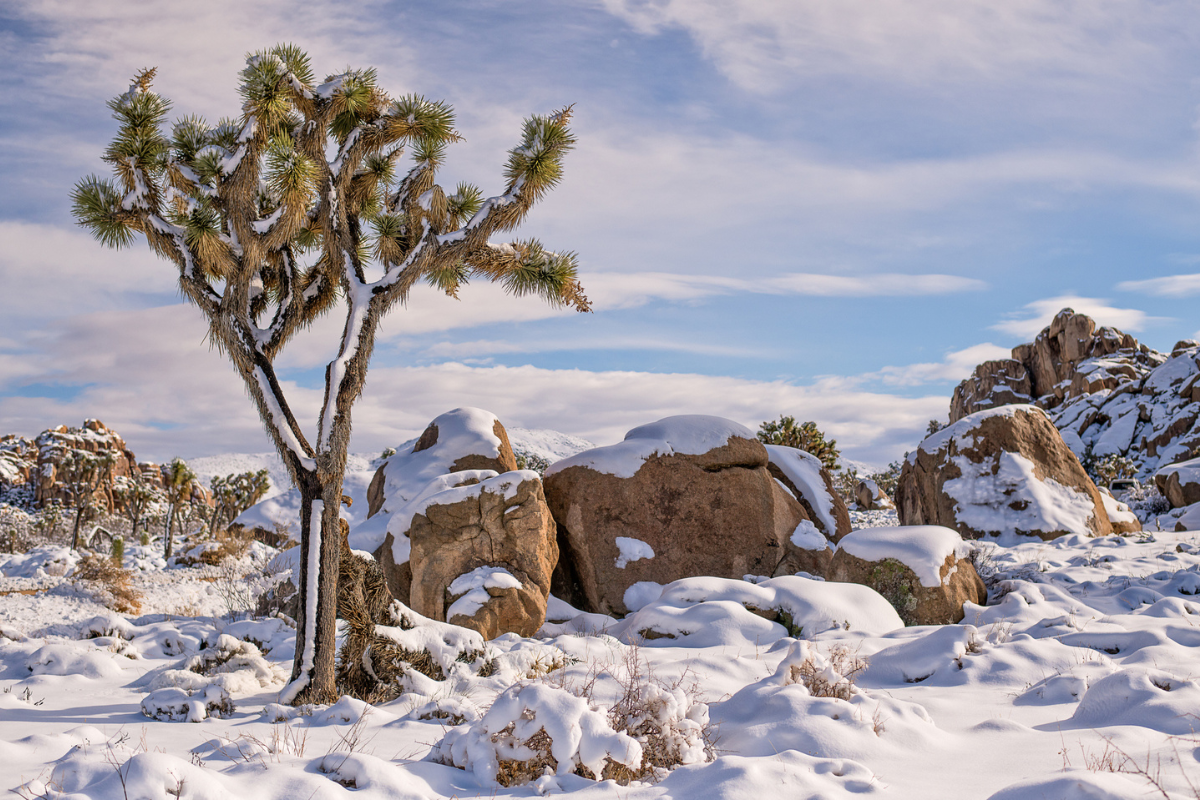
[1078, 680]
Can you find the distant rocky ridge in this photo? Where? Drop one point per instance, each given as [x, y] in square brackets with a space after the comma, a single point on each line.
[35, 471]
[1105, 392]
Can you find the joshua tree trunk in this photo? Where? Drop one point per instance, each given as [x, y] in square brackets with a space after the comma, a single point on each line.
[167, 533]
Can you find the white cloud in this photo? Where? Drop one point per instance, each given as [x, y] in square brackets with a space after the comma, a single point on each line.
[1167, 286]
[760, 44]
[169, 394]
[492, 347]
[1038, 315]
[956, 366]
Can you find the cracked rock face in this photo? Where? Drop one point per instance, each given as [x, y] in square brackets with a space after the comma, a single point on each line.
[650, 511]
[499, 529]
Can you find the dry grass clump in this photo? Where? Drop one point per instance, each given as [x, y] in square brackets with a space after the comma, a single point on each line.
[832, 676]
[110, 584]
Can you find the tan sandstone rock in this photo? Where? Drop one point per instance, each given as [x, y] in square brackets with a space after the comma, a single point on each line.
[810, 483]
[482, 555]
[1180, 482]
[462, 439]
[924, 571]
[869, 497]
[1002, 471]
[682, 497]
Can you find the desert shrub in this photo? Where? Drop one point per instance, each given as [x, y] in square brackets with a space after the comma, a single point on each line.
[830, 675]
[528, 460]
[887, 479]
[893, 580]
[1103, 470]
[108, 583]
[806, 436]
[184, 705]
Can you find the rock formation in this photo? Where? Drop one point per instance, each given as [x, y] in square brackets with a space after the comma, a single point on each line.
[483, 555]
[924, 571]
[1106, 393]
[685, 496]
[1180, 483]
[811, 484]
[997, 472]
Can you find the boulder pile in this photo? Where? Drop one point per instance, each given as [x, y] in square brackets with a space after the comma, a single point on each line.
[1000, 472]
[1107, 394]
[462, 535]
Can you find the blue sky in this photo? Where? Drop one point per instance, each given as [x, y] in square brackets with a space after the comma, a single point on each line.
[830, 210]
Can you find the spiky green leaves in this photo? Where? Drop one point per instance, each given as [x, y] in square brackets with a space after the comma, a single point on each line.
[530, 269]
[291, 177]
[462, 205]
[537, 164]
[96, 205]
[413, 118]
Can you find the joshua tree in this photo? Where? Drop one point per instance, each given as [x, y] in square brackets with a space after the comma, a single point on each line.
[268, 232]
[82, 473]
[135, 494]
[233, 494]
[179, 481]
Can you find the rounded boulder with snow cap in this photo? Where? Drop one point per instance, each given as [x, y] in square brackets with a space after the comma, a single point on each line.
[1001, 472]
[922, 570]
[684, 496]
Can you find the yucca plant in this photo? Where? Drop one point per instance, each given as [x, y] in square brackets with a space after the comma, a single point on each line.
[268, 232]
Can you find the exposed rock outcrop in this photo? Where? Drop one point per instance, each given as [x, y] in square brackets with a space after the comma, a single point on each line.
[1003, 471]
[811, 484]
[459, 440]
[48, 469]
[483, 555]
[869, 497]
[1180, 483]
[1106, 393]
[924, 571]
[681, 497]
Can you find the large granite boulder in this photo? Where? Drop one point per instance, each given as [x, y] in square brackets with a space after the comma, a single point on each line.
[482, 555]
[1000, 472]
[1180, 482]
[469, 443]
[811, 484]
[924, 571]
[681, 497]
[462, 439]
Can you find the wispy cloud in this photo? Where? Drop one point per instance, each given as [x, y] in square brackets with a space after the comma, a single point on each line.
[760, 44]
[956, 366]
[1167, 286]
[1038, 314]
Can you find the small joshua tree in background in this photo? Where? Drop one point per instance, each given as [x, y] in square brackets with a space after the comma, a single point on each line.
[805, 436]
[233, 494]
[82, 473]
[180, 482]
[268, 232]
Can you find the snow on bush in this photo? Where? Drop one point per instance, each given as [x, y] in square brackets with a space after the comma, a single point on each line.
[536, 728]
[240, 660]
[106, 625]
[181, 705]
[829, 675]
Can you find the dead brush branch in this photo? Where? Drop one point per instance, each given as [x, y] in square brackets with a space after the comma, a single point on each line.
[110, 584]
[832, 676]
